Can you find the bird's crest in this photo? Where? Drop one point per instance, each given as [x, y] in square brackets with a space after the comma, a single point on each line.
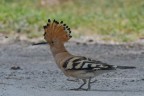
[55, 30]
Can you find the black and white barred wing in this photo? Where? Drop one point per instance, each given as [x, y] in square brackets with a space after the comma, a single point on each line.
[83, 63]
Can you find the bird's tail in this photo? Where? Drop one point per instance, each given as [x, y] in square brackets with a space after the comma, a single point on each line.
[124, 67]
[55, 30]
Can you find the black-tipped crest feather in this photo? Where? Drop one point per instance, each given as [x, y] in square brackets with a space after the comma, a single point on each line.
[56, 30]
[49, 20]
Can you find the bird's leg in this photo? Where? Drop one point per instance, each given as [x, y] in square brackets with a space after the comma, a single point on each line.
[89, 84]
[84, 82]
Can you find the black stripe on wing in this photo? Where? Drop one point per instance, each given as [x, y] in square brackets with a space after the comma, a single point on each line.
[73, 61]
[83, 63]
[66, 62]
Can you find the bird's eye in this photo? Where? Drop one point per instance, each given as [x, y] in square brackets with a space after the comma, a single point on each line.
[52, 42]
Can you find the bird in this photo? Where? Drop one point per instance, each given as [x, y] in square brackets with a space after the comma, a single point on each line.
[84, 68]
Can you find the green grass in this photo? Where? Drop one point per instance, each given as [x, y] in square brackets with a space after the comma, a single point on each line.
[117, 20]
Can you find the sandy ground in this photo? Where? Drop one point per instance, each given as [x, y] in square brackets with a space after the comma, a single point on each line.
[38, 74]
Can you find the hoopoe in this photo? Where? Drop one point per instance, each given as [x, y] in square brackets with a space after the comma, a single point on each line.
[80, 67]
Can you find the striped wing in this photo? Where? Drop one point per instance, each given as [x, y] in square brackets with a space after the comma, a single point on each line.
[83, 63]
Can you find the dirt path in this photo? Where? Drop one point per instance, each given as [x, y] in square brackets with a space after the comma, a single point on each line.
[29, 70]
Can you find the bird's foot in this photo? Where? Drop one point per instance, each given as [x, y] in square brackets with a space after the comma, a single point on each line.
[80, 89]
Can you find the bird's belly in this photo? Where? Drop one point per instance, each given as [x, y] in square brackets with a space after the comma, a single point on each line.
[80, 74]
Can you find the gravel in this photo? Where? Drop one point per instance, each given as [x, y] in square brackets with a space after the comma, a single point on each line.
[30, 70]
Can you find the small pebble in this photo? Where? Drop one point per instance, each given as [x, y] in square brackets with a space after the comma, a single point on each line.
[132, 80]
[90, 40]
[15, 68]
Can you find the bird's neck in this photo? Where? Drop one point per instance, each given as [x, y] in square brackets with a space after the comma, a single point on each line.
[60, 53]
[57, 49]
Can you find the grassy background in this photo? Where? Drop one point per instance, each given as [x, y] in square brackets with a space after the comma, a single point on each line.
[116, 20]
